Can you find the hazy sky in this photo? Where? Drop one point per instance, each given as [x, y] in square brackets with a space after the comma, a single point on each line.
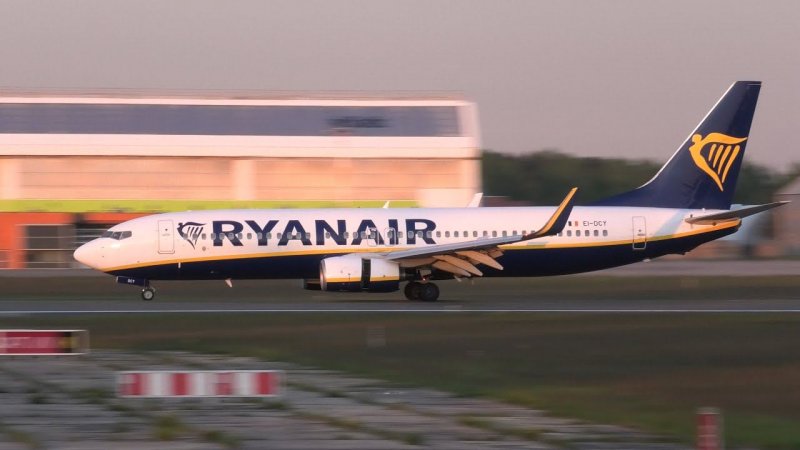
[608, 78]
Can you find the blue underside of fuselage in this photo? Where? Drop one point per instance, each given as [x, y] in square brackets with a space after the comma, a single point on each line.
[517, 263]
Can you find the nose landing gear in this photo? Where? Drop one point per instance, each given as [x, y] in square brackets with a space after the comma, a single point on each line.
[148, 293]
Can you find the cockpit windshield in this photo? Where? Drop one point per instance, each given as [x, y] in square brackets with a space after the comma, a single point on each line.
[116, 235]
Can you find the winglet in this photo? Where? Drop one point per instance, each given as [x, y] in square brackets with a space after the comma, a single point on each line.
[558, 220]
[476, 200]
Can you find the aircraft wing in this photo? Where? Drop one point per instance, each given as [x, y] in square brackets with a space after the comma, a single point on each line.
[734, 214]
[460, 258]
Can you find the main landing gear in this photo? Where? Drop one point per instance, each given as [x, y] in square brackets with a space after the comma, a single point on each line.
[426, 292]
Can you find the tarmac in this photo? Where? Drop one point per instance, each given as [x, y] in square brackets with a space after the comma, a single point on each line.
[56, 292]
[68, 402]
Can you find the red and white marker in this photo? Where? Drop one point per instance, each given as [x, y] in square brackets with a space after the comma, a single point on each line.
[709, 429]
[217, 383]
[44, 342]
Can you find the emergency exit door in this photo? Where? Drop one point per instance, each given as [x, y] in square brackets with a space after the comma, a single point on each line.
[166, 237]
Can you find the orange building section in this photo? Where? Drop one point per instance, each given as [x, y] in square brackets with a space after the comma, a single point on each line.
[12, 230]
[12, 236]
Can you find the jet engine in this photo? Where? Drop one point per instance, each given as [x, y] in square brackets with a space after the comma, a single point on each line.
[353, 273]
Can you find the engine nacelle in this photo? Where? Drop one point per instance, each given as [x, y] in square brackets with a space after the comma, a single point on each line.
[353, 273]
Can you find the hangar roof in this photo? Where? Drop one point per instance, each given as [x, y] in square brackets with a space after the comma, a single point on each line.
[174, 124]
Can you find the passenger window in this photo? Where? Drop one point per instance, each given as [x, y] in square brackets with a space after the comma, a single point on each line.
[494, 233]
[485, 233]
[438, 234]
[308, 235]
[577, 232]
[505, 233]
[327, 235]
[239, 236]
[428, 234]
[249, 236]
[269, 235]
[605, 232]
[278, 235]
[213, 236]
[596, 233]
[569, 233]
[475, 233]
[203, 236]
[455, 233]
[446, 234]
[399, 234]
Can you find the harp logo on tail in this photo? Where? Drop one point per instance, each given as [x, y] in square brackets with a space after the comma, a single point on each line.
[190, 231]
[715, 154]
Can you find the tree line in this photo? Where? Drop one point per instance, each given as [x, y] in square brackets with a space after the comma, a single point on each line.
[543, 178]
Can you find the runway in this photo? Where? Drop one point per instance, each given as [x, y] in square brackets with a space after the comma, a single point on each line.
[661, 287]
[305, 306]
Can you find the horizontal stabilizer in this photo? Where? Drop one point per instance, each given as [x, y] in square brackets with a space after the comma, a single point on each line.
[733, 214]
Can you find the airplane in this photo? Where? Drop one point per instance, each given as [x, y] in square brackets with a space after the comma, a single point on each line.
[687, 203]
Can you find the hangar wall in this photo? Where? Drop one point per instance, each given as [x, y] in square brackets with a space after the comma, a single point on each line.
[133, 153]
[214, 178]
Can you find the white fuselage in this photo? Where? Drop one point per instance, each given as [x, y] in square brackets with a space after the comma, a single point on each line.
[174, 241]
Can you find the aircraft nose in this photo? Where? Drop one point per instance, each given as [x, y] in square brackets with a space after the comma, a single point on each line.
[87, 254]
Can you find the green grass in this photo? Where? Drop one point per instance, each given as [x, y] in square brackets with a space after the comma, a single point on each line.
[150, 206]
[646, 371]
[222, 438]
[168, 428]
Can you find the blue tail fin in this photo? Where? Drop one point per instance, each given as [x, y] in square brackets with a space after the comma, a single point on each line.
[704, 170]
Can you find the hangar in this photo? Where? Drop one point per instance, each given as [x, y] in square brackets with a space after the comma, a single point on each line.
[73, 164]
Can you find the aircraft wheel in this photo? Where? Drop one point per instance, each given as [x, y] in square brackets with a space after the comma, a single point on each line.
[429, 292]
[148, 294]
[412, 290]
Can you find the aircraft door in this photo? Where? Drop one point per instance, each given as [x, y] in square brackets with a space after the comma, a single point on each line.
[639, 233]
[166, 237]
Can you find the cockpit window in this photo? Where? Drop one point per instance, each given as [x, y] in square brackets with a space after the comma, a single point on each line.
[117, 235]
